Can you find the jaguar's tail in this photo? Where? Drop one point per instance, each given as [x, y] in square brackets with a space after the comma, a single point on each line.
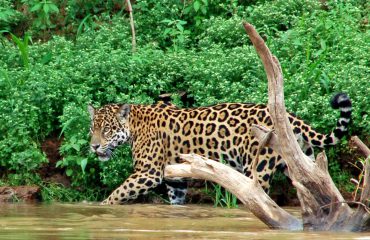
[342, 102]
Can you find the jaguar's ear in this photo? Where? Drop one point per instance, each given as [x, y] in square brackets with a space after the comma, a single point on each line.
[91, 110]
[123, 112]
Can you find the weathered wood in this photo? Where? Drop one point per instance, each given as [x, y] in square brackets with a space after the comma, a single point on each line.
[260, 131]
[132, 25]
[315, 186]
[361, 145]
[254, 198]
[322, 162]
[360, 220]
[365, 195]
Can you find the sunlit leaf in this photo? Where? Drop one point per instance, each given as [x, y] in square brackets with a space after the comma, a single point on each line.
[83, 164]
[69, 172]
[37, 7]
[196, 5]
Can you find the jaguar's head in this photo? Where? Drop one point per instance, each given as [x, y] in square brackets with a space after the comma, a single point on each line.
[109, 128]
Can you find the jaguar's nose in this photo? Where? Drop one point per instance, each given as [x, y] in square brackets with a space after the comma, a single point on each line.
[95, 146]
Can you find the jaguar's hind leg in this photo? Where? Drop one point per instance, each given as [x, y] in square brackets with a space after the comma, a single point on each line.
[177, 191]
[306, 147]
[308, 150]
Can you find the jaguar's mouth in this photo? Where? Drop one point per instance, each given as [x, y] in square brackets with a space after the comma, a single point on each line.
[104, 156]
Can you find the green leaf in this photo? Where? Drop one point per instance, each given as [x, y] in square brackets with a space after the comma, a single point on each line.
[69, 172]
[166, 21]
[35, 8]
[198, 22]
[83, 24]
[66, 125]
[46, 8]
[167, 31]
[54, 8]
[187, 9]
[83, 164]
[196, 6]
[323, 44]
[59, 163]
[180, 27]
[46, 58]
[204, 10]
[76, 147]
[23, 48]
[81, 141]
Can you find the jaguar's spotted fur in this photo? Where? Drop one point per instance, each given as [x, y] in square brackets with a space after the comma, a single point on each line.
[159, 132]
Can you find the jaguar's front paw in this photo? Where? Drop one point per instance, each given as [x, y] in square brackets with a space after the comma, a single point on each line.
[105, 202]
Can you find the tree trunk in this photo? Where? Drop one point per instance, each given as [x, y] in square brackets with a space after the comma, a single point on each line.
[322, 205]
[132, 24]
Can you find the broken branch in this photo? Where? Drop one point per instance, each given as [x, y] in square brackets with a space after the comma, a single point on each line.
[254, 198]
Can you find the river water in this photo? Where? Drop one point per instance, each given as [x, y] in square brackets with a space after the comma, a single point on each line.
[137, 221]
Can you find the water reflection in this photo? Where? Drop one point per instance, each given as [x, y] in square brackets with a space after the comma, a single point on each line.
[84, 221]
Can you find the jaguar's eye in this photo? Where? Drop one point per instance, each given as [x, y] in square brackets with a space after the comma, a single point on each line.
[91, 130]
[106, 130]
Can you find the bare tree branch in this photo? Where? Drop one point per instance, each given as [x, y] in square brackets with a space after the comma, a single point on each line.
[361, 145]
[128, 2]
[255, 199]
[315, 186]
[365, 195]
[260, 131]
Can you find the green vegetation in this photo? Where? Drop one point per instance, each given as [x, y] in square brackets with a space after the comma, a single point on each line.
[220, 196]
[223, 198]
[80, 53]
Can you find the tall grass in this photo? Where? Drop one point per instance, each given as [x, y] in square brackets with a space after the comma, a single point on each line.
[224, 198]
[22, 45]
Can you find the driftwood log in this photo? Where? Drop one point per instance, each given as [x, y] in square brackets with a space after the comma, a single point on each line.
[322, 205]
[244, 188]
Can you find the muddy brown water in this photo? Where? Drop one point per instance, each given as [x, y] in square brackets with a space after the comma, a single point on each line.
[90, 221]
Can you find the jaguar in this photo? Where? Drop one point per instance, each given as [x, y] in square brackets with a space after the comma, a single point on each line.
[158, 133]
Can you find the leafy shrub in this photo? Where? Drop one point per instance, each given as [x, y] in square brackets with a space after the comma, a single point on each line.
[214, 63]
[42, 11]
[20, 116]
[226, 32]
[9, 16]
[279, 15]
[319, 59]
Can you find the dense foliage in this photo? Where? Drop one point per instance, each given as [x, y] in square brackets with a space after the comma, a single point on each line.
[58, 56]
